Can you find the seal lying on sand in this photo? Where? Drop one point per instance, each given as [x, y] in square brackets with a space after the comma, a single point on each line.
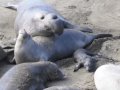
[52, 48]
[83, 58]
[107, 77]
[34, 15]
[30, 76]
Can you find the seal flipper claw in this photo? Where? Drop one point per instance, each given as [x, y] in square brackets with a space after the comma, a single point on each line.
[77, 67]
[84, 59]
[12, 61]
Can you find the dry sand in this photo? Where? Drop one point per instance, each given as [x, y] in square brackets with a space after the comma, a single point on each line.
[83, 13]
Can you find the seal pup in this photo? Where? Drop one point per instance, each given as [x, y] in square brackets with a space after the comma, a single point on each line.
[84, 59]
[107, 77]
[52, 48]
[30, 76]
[33, 15]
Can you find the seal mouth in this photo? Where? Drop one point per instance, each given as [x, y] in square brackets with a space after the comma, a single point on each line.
[46, 33]
[57, 27]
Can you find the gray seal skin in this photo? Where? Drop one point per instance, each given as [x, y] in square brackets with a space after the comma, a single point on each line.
[52, 48]
[30, 76]
[84, 59]
[38, 18]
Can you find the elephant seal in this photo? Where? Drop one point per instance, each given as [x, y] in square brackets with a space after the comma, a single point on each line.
[30, 76]
[107, 77]
[39, 18]
[83, 58]
[33, 49]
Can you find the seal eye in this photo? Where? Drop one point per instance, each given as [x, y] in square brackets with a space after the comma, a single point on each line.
[54, 17]
[42, 17]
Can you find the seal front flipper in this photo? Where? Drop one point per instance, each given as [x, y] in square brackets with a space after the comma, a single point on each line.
[78, 66]
[12, 61]
[11, 6]
[68, 25]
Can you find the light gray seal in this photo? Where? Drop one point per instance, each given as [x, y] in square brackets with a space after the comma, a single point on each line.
[107, 77]
[30, 76]
[52, 48]
[84, 59]
[34, 15]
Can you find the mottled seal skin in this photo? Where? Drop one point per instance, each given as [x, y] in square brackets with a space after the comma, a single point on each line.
[63, 88]
[39, 18]
[107, 77]
[30, 76]
[84, 59]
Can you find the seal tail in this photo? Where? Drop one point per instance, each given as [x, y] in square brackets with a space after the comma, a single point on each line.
[103, 36]
[97, 37]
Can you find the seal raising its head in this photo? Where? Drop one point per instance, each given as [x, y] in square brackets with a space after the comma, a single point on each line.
[31, 49]
[39, 18]
[30, 76]
[50, 36]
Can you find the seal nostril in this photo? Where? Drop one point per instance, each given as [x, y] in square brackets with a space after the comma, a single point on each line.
[54, 17]
[47, 28]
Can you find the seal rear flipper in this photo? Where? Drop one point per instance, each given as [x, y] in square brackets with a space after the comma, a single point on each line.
[81, 56]
[103, 36]
[11, 6]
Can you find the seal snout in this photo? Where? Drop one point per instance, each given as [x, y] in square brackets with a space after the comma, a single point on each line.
[47, 28]
[47, 23]
[50, 16]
